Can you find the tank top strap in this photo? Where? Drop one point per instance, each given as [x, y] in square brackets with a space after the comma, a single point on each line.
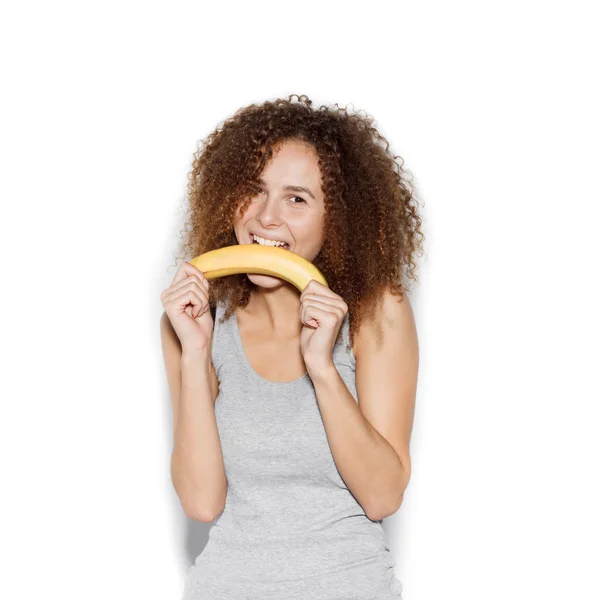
[342, 351]
[219, 335]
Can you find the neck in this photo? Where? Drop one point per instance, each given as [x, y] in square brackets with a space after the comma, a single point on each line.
[279, 307]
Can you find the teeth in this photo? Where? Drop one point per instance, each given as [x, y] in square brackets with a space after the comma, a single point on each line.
[265, 242]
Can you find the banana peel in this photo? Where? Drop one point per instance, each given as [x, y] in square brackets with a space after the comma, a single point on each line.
[263, 260]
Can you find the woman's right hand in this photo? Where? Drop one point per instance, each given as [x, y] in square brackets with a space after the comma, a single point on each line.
[186, 303]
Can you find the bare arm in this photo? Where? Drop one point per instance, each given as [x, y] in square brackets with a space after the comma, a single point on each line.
[197, 468]
[370, 440]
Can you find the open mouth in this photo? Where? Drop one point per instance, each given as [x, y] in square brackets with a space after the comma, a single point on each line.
[263, 242]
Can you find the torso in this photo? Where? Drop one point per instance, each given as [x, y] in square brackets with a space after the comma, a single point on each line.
[290, 526]
[277, 358]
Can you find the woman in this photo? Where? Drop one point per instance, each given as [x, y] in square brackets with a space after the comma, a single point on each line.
[291, 421]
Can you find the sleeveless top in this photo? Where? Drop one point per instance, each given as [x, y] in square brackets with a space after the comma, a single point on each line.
[291, 528]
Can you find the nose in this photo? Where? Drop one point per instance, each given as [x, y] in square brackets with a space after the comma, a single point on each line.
[268, 215]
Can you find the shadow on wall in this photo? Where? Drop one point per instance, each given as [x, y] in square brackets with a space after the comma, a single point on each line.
[196, 538]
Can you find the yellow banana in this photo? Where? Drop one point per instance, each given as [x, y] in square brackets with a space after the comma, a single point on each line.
[264, 260]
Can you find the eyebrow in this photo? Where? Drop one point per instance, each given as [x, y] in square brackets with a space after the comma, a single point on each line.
[292, 188]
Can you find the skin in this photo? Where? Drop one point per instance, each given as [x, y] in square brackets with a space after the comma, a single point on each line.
[294, 217]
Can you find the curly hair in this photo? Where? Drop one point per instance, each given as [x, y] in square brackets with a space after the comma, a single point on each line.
[372, 230]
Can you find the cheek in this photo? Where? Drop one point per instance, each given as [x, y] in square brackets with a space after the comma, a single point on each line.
[316, 231]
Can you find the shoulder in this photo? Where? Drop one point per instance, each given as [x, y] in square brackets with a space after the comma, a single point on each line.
[392, 323]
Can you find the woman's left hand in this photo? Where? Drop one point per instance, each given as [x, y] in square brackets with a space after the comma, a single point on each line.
[321, 312]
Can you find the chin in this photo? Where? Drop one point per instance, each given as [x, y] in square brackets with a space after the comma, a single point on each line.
[265, 281]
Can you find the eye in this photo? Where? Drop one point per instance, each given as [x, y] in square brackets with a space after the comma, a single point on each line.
[299, 198]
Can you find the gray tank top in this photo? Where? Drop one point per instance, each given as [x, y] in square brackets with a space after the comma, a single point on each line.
[291, 528]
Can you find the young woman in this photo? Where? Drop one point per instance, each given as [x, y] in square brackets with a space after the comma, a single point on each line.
[292, 412]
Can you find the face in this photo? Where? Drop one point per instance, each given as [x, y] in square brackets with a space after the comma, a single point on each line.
[277, 212]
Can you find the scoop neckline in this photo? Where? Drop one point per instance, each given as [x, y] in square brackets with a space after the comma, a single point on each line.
[250, 368]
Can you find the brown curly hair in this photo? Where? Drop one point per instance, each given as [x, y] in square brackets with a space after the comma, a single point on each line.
[371, 225]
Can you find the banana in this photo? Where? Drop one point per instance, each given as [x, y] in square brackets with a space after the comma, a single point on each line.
[264, 260]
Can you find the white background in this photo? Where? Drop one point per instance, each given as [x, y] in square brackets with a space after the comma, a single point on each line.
[494, 108]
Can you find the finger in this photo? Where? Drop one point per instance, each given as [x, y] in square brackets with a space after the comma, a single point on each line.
[190, 303]
[325, 300]
[184, 284]
[185, 270]
[192, 271]
[198, 311]
[320, 312]
[199, 279]
[316, 287]
[325, 304]
[176, 297]
[189, 299]
[310, 317]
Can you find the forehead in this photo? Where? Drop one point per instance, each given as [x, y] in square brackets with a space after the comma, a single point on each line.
[294, 163]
